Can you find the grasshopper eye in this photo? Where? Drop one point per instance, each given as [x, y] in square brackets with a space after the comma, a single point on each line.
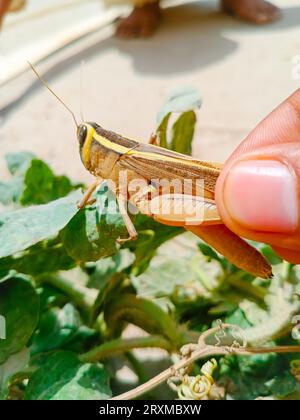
[81, 134]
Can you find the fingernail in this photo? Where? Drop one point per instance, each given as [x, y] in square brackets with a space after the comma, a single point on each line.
[262, 195]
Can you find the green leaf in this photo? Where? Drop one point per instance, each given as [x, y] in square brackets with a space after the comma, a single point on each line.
[20, 229]
[33, 182]
[163, 276]
[282, 385]
[105, 268]
[62, 186]
[19, 305]
[50, 297]
[185, 278]
[151, 236]
[39, 259]
[162, 131]
[93, 232]
[181, 100]
[269, 322]
[60, 327]
[209, 252]
[56, 328]
[238, 318]
[259, 375]
[41, 185]
[271, 256]
[183, 133]
[106, 275]
[18, 163]
[248, 375]
[11, 191]
[63, 377]
[10, 367]
[82, 339]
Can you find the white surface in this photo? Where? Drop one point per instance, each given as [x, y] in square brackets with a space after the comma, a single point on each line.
[243, 72]
[42, 28]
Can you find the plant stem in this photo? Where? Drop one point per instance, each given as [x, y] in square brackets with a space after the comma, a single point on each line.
[120, 345]
[82, 296]
[286, 270]
[145, 314]
[163, 376]
[201, 352]
[246, 287]
[277, 349]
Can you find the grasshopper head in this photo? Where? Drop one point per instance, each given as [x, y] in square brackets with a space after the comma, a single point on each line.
[82, 132]
[92, 154]
[85, 132]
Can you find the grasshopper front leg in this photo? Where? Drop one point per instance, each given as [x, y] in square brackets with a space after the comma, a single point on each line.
[87, 195]
[122, 207]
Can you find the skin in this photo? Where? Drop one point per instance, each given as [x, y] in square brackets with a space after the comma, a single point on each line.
[144, 20]
[276, 138]
[141, 22]
[4, 5]
[253, 11]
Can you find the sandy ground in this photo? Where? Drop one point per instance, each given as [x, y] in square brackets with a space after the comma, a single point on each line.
[242, 71]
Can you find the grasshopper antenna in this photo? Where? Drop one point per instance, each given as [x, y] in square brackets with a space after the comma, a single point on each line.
[45, 83]
[81, 91]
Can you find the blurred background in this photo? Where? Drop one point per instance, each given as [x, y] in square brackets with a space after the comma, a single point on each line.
[243, 71]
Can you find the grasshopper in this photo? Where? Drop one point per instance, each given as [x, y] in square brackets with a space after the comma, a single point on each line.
[108, 155]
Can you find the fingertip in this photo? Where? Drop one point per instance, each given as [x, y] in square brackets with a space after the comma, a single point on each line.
[289, 255]
[261, 195]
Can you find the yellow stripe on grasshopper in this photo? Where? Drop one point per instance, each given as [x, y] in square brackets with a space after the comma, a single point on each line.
[86, 150]
[163, 158]
[154, 156]
[110, 145]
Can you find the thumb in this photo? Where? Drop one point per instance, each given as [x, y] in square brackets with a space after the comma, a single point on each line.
[258, 197]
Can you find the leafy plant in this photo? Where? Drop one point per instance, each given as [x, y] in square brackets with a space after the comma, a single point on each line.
[68, 293]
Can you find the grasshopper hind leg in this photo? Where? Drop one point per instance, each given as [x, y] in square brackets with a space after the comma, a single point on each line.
[138, 202]
[128, 222]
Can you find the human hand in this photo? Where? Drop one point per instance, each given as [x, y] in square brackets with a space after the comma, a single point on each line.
[258, 191]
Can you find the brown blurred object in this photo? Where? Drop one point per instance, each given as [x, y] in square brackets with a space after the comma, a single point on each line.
[10, 6]
[4, 5]
[146, 15]
[16, 5]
